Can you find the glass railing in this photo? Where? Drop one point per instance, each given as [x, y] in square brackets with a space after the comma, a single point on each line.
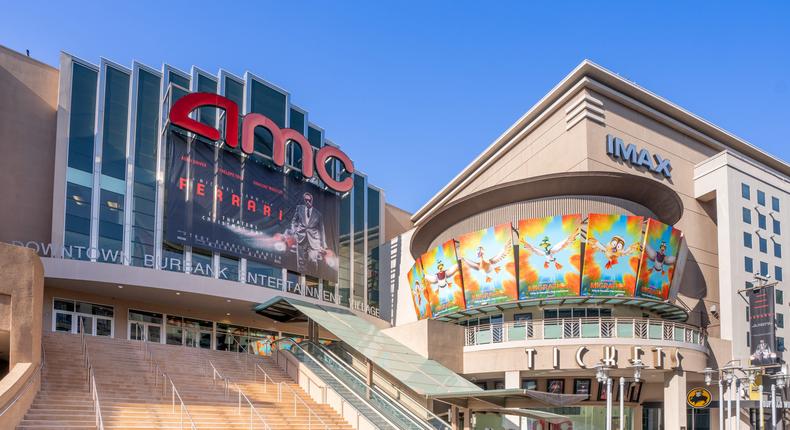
[391, 412]
[386, 388]
[584, 328]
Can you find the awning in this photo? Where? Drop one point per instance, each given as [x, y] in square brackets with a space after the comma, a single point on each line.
[423, 376]
[499, 398]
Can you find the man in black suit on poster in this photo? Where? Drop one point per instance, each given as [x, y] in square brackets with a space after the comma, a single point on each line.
[307, 227]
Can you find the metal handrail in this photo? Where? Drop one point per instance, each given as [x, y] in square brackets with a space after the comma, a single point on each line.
[253, 412]
[29, 382]
[351, 390]
[296, 397]
[427, 412]
[265, 376]
[607, 328]
[157, 370]
[91, 377]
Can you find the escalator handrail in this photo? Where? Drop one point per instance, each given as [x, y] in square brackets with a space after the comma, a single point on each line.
[351, 390]
[384, 393]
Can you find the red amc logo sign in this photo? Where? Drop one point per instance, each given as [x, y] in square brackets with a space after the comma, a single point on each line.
[179, 115]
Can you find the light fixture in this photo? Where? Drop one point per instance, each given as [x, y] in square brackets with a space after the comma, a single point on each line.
[120, 286]
[708, 375]
[178, 293]
[227, 300]
[227, 314]
[638, 366]
[601, 372]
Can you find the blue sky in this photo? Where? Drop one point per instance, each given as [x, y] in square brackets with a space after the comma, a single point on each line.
[414, 91]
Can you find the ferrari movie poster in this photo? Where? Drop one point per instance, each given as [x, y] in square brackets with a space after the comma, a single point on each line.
[419, 293]
[217, 202]
[611, 256]
[659, 255]
[549, 256]
[488, 266]
[443, 278]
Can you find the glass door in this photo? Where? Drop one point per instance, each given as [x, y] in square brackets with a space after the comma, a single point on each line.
[145, 325]
[71, 316]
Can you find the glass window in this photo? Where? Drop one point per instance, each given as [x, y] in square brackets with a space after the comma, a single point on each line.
[207, 115]
[64, 305]
[775, 204]
[144, 316]
[145, 158]
[760, 198]
[747, 314]
[111, 227]
[234, 90]
[748, 264]
[293, 283]
[763, 268]
[529, 384]
[93, 309]
[373, 261]
[359, 191]
[179, 80]
[780, 320]
[779, 297]
[311, 287]
[763, 244]
[330, 290]
[549, 313]
[344, 251]
[777, 230]
[269, 102]
[314, 136]
[202, 263]
[747, 239]
[606, 312]
[761, 221]
[780, 344]
[748, 338]
[777, 273]
[82, 118]
[228, 268]
[172, 258]
[747, 215]
[777, 250]
[745, 191]
[116, 114]
[78, 221]
[264, 276]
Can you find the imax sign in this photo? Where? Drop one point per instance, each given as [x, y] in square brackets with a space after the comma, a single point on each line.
[629, 153]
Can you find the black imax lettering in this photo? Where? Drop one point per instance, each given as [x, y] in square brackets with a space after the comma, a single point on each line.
[616, 148]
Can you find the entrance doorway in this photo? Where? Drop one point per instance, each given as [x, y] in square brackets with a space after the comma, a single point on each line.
[145, 325]
[70, 316]
[190, 332]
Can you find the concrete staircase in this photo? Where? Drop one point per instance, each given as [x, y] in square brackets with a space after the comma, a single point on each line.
[132, 397]
[64, 401]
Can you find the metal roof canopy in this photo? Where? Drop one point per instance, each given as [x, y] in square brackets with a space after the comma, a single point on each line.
[498, 398]
[666, 310]
[421, 375]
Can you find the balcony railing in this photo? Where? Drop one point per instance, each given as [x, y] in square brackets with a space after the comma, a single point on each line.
[584, 328]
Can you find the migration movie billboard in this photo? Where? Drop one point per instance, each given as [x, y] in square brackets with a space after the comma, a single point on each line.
[762, 329]
[657, 263]
[611, 256]
[441, 275]
[549, 256]
[488, 266]
[240, 207]
[419, 292]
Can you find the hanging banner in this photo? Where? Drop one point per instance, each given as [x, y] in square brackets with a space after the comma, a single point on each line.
[419, 292]
[488, 266]
[549, 256]
[611, 256]
[443, 277]
[248, 210]
[762, 326]
[657, 262]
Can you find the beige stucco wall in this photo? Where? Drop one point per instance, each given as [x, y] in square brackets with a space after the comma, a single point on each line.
[28, 102]
[433, 339]
[21, 286]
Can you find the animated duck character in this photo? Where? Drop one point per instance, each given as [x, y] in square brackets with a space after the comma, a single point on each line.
[489, 265]
[549, 252]
[614, 250]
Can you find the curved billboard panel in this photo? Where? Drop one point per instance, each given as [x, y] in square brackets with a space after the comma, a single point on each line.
[419, 291]
[488, 266]
[443, 278]
[657, 263]
[549, 256]
[611, 256]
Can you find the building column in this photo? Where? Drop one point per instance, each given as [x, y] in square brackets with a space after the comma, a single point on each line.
[467, 419]
[512, 380]
[675, 399]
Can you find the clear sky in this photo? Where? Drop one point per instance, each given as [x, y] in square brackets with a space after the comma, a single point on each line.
[413, 91]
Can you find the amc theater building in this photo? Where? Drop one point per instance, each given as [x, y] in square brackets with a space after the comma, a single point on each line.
[607, 234]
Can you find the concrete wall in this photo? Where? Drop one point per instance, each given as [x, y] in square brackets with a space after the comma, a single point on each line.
[28, 103]
[21, 287]
[432, 339]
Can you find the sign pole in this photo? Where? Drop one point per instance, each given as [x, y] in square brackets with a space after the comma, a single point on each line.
[721, 406]
[608, 403]
[762, 410]
[773, 407]
[738, 404]
[729, 405]
[622, 402]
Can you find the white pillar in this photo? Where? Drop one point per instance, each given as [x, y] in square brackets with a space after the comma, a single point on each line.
[608, 403]
[512, 380]
[675, 399]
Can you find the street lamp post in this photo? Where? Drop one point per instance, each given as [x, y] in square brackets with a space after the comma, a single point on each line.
[602, 375]
[708, 380]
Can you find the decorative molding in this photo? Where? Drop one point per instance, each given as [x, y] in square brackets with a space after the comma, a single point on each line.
[585, 107]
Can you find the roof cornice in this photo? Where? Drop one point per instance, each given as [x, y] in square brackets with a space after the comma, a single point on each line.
[594, 77]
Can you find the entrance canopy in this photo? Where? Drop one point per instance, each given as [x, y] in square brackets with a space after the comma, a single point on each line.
[499, 398]
[423, 376]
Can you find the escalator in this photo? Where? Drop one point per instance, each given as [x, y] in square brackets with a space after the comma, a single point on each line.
[380, 409]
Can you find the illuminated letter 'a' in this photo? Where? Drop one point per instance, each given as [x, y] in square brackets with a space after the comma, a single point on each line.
[179, 116]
